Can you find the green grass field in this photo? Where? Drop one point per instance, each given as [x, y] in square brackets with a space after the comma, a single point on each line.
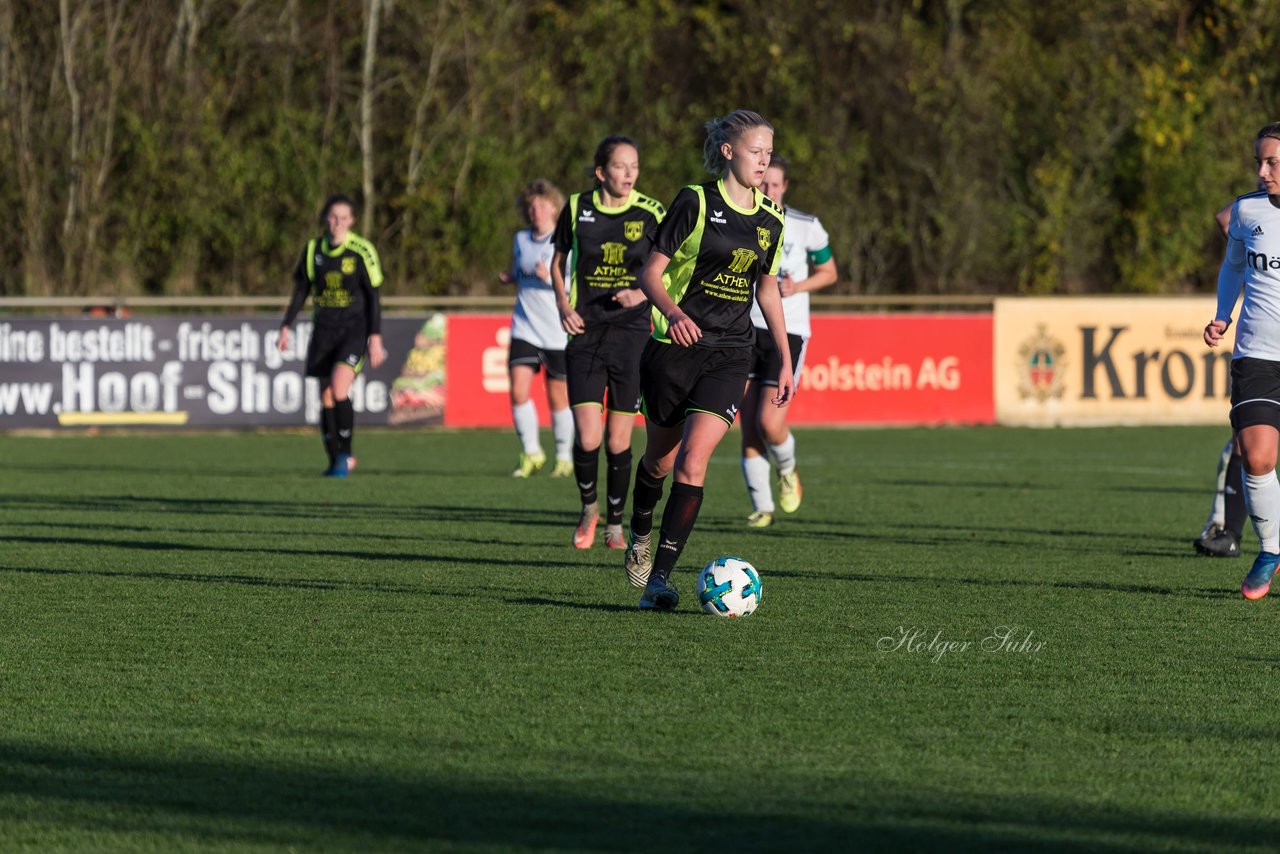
[204, 645]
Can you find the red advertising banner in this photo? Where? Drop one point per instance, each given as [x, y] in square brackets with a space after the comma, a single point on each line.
[859, 369]
[897, 369]
[476, 368]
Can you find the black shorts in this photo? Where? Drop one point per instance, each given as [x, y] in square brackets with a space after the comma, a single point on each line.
[606, 357]
[679, 380]
[765, 361]
[332, 345]
[1255, 393]
[524, 353]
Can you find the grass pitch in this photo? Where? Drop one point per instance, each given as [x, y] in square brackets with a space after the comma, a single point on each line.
[985, 639]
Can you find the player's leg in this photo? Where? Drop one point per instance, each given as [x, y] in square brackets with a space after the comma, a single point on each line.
[664, 379]
[1255, 415]
[1235, 512]
[779, 438]
[719, 377]
[328, 424]
[1259, 443]
[755, 459]
[585, 384]
[622, 359]
[522, 364]
[703, 431]
[617, 474]
[1219, 539]
[662, 444]
[561, 414]
[320, 361]
[344, 417]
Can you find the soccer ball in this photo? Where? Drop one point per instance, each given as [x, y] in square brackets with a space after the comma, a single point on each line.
[729, 587]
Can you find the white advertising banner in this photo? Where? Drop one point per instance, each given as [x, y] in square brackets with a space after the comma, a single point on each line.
[1068, 361]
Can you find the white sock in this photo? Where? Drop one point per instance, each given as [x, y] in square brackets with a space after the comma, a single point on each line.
[1218, 513]
[755, 471]
[784, 455]
[526, 418]
[562, 430]
[1262, 497]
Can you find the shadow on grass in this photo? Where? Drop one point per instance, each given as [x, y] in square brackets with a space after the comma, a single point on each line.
[233, 578]
[225, 800]
[423, 560]
[580, 606]
[937, 580]
[321, 509]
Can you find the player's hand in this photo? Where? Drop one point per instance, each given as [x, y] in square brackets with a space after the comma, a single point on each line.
[282, 343]
[505, 277]
[682, 330]
[629, 297]
[1214, 331]
[786, 388]
[542, 271]
[571, 322]
[377, 352]
[786, 285]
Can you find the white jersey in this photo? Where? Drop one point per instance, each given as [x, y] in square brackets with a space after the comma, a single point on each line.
[805, 244]
[536, 318]
[1253, 261]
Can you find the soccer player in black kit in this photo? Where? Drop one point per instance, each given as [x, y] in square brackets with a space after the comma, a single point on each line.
[718, 249]
[341, 272]
[608, 233]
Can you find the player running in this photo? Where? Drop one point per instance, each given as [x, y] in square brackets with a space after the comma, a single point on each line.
[537, 341]
[1253, 238]
[608, 233]
[718, 249]
[341, 271]
[807, 266]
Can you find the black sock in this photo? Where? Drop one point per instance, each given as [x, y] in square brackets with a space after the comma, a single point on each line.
[585, 466]
[644, 498]
[329, 433]
[677, 524]
[617, 478]
[345, 421]
[1233, 500]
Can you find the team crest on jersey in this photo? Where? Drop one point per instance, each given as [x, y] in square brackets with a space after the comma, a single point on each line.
[633, 230]
[742, 260]
[614, 253]
[1041, 371]
[348, 266]
[762, 234]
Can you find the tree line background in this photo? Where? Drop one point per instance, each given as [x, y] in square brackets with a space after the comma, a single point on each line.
[182, 147]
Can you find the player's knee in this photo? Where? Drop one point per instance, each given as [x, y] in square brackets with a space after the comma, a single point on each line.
[1259, 461]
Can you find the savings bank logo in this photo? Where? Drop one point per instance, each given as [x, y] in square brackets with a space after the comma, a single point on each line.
[1041, 370]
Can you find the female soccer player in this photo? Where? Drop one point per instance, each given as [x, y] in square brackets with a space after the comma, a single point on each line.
[1253, 238]
[764, 427]
[608, 232]
[342, 273]
[718, 242]
[537, 341]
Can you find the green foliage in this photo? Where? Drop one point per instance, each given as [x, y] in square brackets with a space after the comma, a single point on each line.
[948, 145]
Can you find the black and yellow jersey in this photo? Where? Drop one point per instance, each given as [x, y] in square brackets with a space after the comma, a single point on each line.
[718, 252]
[343, 282]
[608, 246]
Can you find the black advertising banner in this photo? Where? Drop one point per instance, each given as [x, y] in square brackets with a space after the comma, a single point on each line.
[202, 372]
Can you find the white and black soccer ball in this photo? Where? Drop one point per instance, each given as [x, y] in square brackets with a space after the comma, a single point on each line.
[729, 587]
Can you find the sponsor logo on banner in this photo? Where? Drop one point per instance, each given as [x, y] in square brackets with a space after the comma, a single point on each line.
[175, 371]
[1042, 373]
[1094, 361]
